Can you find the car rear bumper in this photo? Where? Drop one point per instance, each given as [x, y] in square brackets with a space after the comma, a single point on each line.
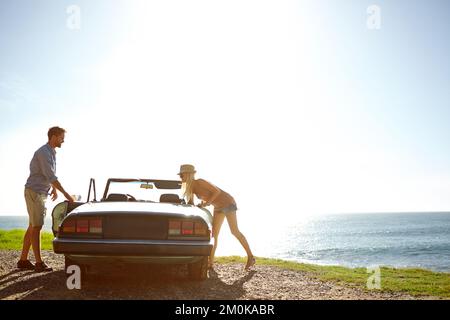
[113, 261]
[132, 248]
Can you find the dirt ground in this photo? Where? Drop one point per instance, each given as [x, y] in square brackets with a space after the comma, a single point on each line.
[226, 281]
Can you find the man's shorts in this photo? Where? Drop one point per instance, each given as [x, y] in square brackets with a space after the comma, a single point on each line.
[36, 207]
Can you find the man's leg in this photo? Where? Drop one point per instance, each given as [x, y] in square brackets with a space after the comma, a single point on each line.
[24, 263]
[36, 243]
[36, 211]
[26, 243]
[40, 266]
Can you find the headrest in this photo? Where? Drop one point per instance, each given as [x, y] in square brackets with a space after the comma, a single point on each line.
[170, 198]
[117, 197]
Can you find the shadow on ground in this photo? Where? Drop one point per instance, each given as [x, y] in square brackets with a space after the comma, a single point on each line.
[154, 282]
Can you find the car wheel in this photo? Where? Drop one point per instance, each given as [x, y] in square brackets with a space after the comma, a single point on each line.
[198, 270]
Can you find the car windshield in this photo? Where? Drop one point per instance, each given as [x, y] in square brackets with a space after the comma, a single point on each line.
[144, 190]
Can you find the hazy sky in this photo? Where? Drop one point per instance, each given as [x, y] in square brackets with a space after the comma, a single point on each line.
[294, 107]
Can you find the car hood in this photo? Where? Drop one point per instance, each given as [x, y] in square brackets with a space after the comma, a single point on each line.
[141, 208]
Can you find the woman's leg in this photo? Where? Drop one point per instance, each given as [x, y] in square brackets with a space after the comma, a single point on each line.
[232, 222]
[216, 225]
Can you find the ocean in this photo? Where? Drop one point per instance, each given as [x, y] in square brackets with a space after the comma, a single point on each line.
[21, 222]
[354, 240]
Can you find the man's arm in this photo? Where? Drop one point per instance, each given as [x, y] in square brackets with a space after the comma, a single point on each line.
[54, 194]
[58, 186]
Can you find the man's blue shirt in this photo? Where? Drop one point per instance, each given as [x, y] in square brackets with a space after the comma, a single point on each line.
[42, 170]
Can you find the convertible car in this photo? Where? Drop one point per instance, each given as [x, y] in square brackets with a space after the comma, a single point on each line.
[138, 221]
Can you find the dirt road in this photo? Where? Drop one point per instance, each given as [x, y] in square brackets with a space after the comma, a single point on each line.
[227, 281]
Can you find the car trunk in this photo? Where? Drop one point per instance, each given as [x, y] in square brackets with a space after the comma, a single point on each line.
[130, 226]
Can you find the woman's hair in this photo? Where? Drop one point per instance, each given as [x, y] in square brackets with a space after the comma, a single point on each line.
[186, 187]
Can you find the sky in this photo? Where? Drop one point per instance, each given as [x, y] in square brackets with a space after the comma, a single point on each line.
[296, 108]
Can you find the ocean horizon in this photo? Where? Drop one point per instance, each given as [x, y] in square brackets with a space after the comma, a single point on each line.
[411, 240]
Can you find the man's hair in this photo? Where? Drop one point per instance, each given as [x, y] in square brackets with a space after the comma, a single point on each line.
[55, 131]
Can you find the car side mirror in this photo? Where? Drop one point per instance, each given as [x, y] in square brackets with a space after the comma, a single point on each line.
[76, 197]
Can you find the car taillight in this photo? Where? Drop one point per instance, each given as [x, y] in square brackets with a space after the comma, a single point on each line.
[82, 226]
[200, 229]
[85, 225]
[95, 226]
[187, 228]
[174, 228]
[69, 226]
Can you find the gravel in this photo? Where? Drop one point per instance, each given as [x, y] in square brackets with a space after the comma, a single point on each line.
[226, 281]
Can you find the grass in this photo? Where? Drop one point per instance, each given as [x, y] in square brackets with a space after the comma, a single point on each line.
[416, 282]
[13, 239]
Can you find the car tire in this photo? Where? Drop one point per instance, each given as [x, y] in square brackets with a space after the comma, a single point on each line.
[198, 271]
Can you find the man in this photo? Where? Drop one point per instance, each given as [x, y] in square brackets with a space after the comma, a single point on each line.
[42, 178]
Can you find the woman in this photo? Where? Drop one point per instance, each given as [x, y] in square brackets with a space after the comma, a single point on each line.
[224, 206]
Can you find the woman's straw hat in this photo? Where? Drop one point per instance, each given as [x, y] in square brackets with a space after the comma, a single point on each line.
[187, 168]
